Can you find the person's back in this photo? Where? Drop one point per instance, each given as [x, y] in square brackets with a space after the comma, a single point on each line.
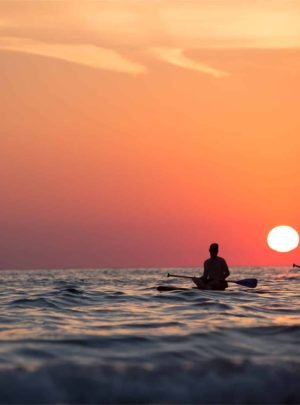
[215, 269]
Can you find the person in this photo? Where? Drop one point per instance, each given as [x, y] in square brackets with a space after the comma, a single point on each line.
[215, 271]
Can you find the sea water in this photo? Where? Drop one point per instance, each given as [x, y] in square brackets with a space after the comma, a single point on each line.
[108, 336]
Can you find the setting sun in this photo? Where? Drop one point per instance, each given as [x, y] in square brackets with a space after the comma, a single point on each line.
[283, 238]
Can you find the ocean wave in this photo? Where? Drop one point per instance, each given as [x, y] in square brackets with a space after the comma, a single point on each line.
[33, 302]
[212, 382]
[90, 336]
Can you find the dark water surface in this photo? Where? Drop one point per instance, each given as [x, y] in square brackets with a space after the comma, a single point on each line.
[107, 336]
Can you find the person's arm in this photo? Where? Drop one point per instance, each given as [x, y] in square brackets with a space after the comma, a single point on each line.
[205, 272]
[226, 271]
[198, 280]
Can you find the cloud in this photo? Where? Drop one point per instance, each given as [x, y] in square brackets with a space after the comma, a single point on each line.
[83, 54]
[233, 23]
[146, 23]
[175, 56]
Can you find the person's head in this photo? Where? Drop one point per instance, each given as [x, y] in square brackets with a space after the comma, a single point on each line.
[213, 250]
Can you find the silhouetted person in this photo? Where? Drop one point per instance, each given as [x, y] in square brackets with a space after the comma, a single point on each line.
[215, 271]
[296, 265]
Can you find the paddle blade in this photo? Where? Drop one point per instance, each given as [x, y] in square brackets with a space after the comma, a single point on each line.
[248, 282]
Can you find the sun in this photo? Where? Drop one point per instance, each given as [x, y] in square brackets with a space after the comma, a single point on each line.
[283, 238]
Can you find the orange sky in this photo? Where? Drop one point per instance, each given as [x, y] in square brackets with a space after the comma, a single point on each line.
[135, 133]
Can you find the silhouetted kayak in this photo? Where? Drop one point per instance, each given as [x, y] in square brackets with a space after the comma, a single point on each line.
[169, 288]
[165, 288]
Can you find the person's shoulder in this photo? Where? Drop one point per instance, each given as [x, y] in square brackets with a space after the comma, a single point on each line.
[207, 261]
[221, 259]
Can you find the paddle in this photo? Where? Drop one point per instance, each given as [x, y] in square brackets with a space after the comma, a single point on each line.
[247, 282]
[296, 265]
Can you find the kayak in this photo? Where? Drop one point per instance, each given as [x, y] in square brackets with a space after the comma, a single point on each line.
[219, 285]
[164, 288]
[215, 285]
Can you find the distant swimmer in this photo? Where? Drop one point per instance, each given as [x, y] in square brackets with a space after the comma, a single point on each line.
[296, 265]
[215, 271]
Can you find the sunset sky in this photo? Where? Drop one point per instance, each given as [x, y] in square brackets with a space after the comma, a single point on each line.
[137, 132]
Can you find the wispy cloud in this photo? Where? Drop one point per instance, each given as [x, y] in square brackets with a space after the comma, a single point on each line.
[83, 54]
[176, 56]
[110, 35]
[146, 23]
[234, 23]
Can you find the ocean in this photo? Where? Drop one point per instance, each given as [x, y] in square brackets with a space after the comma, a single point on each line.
[108, 336]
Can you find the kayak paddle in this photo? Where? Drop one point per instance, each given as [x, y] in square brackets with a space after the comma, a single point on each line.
[247, 282]
[296, 265]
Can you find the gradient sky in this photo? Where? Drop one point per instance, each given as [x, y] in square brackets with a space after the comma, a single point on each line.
[137, 132]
